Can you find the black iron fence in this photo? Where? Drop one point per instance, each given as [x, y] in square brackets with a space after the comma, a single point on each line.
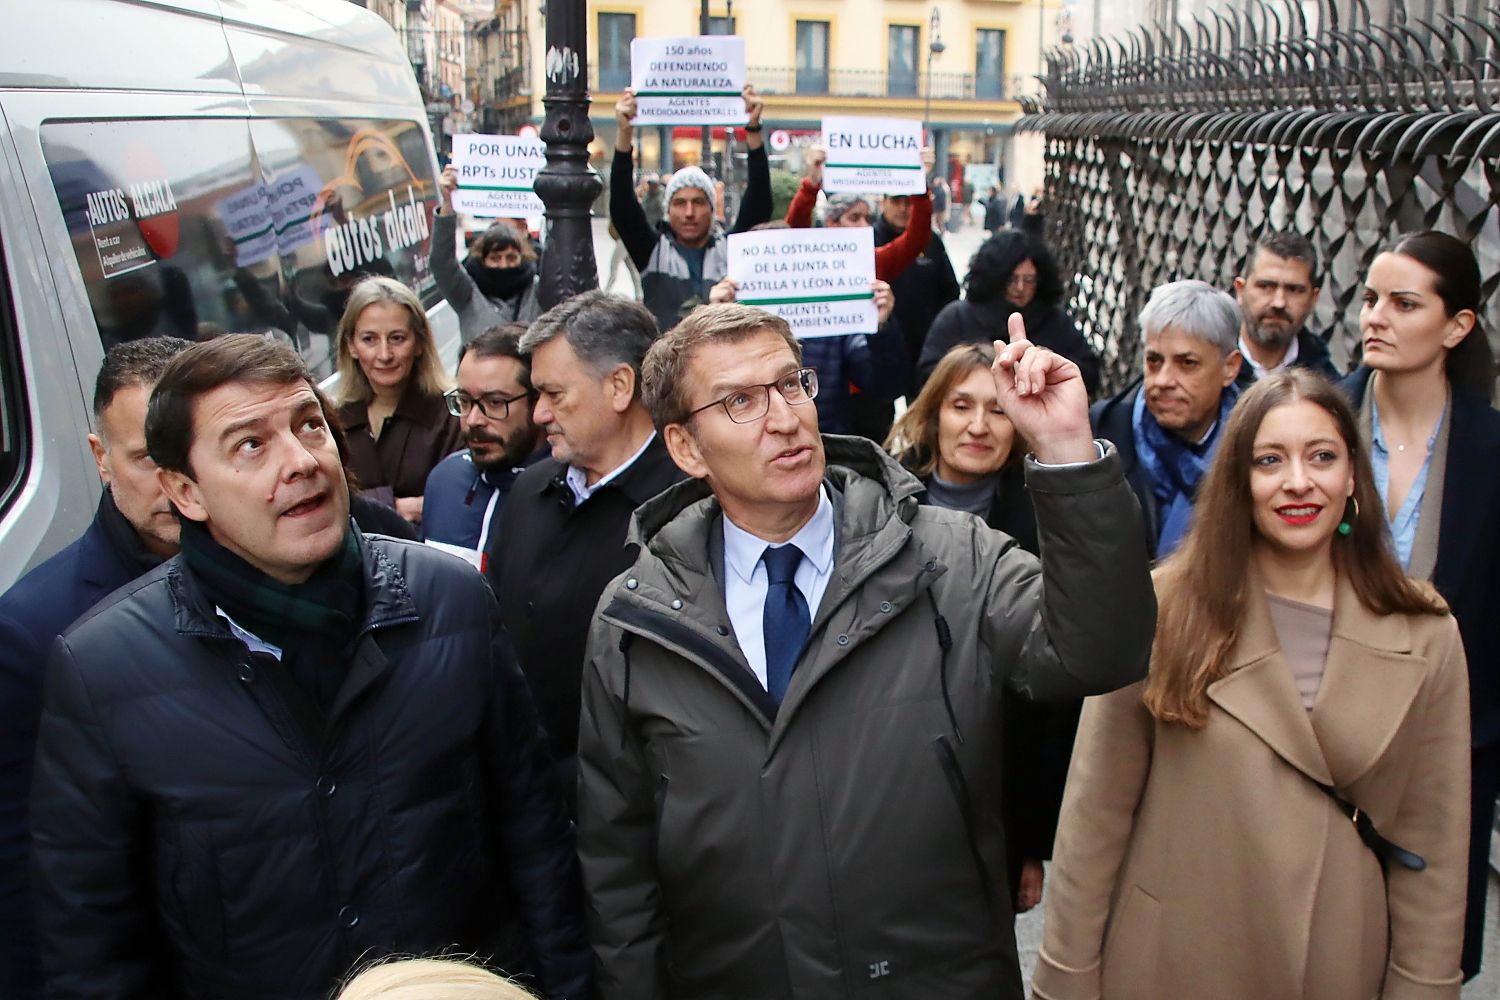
[1170, 150]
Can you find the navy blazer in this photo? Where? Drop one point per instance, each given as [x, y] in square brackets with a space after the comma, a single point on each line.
[33, 613]
[1468, 559]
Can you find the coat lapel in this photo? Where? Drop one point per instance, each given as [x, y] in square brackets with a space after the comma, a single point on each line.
[1469, 493]
[1369, 684]
[1260, 693]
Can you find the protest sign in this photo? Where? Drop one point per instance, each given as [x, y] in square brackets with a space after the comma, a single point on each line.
[246, 215]
[495, 173]
[293, 194]
[688, 81]
[873, 154]
[818, 280]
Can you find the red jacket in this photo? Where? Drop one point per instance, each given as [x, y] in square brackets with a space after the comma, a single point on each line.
[891, 259]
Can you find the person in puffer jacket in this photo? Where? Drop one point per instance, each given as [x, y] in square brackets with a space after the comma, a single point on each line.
[293, 747]
[683, 257]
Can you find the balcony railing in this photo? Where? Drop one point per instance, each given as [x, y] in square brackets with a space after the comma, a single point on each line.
[786, 80]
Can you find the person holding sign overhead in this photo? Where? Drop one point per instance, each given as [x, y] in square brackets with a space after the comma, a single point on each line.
[496, 284]
[682, 258]
[845, 210]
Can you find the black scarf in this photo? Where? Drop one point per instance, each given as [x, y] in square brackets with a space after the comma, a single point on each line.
[503, 283]
[123, 537]
[313, 622]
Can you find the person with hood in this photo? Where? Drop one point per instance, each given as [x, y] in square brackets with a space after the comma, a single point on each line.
[496, 283]
[1010, 273]
[681, 259]
[790, 747]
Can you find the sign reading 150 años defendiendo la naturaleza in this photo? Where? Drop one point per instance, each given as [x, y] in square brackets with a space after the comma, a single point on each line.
[688, 81]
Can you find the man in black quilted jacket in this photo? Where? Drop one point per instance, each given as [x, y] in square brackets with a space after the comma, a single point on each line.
[293, 747]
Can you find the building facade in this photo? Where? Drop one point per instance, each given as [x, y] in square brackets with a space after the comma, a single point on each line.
[956, 64]
[809, 58]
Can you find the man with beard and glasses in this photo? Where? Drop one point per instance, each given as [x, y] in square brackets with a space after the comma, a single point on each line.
[1277, 294]
[467, 491]
[496, 283]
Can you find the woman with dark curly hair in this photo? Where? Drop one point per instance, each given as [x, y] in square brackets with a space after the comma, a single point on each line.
[1010, 272]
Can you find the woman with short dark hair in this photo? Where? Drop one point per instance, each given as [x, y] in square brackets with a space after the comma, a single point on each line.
[1010, 272]
[1423, 391]
[1279, 809]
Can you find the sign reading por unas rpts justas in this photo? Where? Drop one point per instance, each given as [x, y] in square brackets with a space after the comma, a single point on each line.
[882, 155]
[688, 81]
[818, 280]
[495, 175]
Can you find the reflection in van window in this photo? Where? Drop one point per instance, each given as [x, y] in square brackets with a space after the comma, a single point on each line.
[196, 228]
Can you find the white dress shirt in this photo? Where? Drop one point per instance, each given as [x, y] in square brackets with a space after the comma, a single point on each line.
[1292, 350]
[578, 480]
[745, 580]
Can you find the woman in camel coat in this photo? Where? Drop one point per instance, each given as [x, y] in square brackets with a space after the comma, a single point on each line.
[1197, 855]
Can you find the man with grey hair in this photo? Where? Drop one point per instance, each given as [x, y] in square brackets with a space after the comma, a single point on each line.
[563, 537]
[1166, 423]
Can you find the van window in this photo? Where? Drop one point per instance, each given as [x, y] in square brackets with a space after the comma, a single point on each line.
[14, 436]
[198, 227]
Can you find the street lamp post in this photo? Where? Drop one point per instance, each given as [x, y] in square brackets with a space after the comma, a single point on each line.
[567, 185]
[706, 152]
[935, 48]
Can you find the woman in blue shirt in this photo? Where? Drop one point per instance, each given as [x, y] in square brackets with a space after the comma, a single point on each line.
[1423, 391]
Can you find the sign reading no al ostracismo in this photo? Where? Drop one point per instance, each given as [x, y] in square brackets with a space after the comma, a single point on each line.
[495, 173]
[818, 280]
[873, 154]
[688, 81]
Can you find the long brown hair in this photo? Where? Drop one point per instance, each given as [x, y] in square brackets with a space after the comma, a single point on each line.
[913, 438]
[1202, 589]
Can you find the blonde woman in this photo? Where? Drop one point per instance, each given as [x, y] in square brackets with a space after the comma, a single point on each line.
[390, 394]
[430, 979]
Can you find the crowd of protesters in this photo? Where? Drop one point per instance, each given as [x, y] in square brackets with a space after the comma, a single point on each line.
[685, 696]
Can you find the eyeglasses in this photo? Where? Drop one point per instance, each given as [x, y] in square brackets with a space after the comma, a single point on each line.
[751, 402]
[1027, 280]
[492, 405]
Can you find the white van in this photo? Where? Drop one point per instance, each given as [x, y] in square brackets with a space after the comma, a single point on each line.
[186, 167]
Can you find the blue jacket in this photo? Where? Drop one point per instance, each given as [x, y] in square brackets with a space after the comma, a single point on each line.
[875, 363]
[458, 494]
[1467, 573]
[33, 613]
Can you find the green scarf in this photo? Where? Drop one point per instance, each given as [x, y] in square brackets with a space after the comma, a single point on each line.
[312, 622]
